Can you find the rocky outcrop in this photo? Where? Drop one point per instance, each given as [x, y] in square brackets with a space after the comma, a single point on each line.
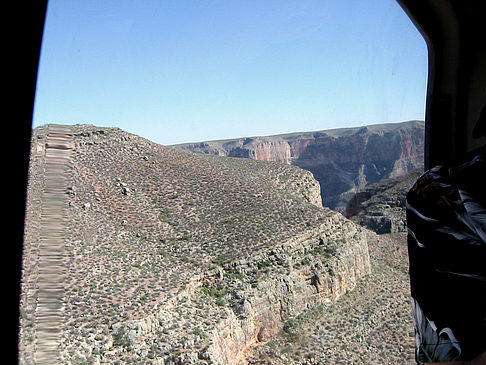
[381, 206]
[170, 257]
[373, 324]
[257, 296]
[344, 161]
[305, 271]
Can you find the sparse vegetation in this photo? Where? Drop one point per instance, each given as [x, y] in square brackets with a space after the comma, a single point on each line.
[170, 245]
[367, 325]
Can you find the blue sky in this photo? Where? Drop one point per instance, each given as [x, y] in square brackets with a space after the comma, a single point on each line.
[178, 71]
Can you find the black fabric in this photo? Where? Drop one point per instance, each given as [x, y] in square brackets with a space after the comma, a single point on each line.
[446, 219]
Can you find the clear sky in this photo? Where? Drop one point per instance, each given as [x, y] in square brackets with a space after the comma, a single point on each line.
[178, 71]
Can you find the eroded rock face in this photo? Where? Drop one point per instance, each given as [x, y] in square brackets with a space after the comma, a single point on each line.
[381, 206]
[319, 266]
[170, 257]
[344, 161]
[262, 293]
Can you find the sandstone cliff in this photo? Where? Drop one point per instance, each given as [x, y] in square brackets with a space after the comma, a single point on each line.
[161, 256]
[344, 161]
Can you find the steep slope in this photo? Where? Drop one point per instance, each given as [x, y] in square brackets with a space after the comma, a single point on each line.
[371, 325]
[381, 206]
[148, 254]
[344, 160]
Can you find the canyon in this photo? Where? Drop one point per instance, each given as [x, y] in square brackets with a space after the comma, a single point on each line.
[143, 254]
[380, 207]
[343, 161]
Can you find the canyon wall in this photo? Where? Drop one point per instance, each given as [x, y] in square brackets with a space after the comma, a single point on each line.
[318, 266]
[261, 292]
[171, 257]
[381, 206]
[344, 161]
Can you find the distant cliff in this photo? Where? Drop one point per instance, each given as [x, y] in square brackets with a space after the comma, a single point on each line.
[344, 161]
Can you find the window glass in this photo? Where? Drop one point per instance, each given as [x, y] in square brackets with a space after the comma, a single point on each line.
[138, 253]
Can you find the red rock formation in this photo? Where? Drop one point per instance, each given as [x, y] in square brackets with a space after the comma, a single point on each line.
[344, 161]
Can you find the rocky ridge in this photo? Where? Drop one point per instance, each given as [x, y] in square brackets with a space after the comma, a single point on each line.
[380, 207]
[344, 161]
[171, 257]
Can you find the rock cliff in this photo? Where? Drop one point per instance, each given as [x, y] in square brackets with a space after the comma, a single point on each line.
[252, 298]
[381, 206]
[344, 161]
[163, 256]
[372, 324]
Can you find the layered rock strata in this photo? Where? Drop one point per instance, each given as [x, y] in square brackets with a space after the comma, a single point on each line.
[254, 297]
[172, 257]
[373, 324]
[381, 206]
[344, 161]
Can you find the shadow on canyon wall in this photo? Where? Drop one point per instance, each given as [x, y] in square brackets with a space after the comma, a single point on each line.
[344, 160]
